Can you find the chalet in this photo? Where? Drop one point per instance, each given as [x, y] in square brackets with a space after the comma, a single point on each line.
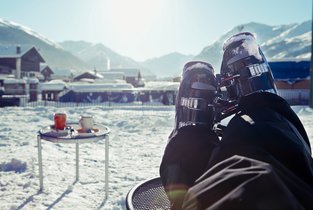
[50, 90]
[90, 75]
[19, 70]
[131, 75]
[22, 61]
[46, 71]
[292, 79]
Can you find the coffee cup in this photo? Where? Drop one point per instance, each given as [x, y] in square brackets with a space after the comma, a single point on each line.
[59, 120]
[86, 122]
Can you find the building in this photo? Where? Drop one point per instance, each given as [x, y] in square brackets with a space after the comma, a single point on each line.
[131, 76]
[50, 90]
[292, 79]
[89, 75]
[19, 70]
[46, 72]
[21, 61]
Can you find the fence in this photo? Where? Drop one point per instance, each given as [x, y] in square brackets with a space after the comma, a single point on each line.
[133, 105]
[295, 96]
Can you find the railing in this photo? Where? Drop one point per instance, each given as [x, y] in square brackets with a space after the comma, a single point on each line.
[295, 96]
[133, 105]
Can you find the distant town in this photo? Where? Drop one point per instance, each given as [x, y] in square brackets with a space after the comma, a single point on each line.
[25, 77]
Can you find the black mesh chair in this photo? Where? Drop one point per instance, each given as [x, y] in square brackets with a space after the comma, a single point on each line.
[148, 195]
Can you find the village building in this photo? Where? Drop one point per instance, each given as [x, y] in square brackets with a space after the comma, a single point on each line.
[21, 61]
[292, 79]
[50, 90]
[19, 70]
[88, 76]
[132, 76]
[46, 72]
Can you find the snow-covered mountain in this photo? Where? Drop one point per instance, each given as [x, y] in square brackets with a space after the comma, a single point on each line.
[55, 56]
[277, 42]
[100, 56]
[169, 65]
[283, 41]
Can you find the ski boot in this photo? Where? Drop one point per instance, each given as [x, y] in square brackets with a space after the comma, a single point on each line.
[194, 102]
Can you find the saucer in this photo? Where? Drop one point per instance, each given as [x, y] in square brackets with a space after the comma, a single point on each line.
[93, 130]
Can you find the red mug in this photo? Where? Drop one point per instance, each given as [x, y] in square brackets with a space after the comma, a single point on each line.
[59, 121]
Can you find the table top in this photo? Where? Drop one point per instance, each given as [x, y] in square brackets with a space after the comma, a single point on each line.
[73, 134]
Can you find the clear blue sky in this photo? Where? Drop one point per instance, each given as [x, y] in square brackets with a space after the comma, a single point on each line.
[143, 29]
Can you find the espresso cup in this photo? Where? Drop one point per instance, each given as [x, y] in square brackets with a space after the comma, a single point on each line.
[59, 120]
[86, 122]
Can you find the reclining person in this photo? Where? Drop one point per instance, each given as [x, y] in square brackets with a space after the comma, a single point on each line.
[262, 161]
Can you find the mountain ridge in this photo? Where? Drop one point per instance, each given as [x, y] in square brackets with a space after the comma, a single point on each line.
[278, 42]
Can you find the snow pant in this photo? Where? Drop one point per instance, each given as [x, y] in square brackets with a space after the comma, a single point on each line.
[263, 161]
[241, 183]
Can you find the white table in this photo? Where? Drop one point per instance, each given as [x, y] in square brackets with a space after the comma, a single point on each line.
[73, 136]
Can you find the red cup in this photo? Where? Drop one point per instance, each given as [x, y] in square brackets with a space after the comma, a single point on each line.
[59, 121]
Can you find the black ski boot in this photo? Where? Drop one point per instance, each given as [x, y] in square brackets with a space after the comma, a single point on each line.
[194, 102]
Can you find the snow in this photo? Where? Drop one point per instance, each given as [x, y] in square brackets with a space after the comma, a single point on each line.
[11, 24]
[137, 140]
[53, 85]
[98, 87]
[160, 85]
[14, 81]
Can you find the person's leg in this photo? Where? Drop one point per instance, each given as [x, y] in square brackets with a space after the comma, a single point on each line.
[241, 183]
[192, 140]
[185, 159]
[264, 131]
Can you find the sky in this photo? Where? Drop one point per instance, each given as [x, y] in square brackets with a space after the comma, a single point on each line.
[143, 29]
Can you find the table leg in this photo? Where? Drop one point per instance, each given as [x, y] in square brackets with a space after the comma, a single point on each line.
[40, 163]
[77, 162]
[107, 167]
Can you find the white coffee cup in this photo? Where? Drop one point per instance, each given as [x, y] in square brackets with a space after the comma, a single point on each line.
[86, 122]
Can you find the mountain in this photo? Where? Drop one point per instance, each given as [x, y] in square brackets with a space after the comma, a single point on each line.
[277, 42]
[101, 57]
[167, 65]
[54, 55]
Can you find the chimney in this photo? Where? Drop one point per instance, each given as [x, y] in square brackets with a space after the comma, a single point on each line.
[18, 49]
[108, 64]
[18, 68]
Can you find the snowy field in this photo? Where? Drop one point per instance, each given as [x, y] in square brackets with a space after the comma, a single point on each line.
[137, 140]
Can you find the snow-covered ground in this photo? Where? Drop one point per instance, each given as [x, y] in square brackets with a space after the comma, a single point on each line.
[137, 140]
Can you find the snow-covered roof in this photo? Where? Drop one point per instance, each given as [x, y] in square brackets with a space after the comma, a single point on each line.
[32, 80]
[99, 87]
[43, 66]
[93, 73]
[6, 76]
[14, 81]
[161, 86]
[53, 85]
